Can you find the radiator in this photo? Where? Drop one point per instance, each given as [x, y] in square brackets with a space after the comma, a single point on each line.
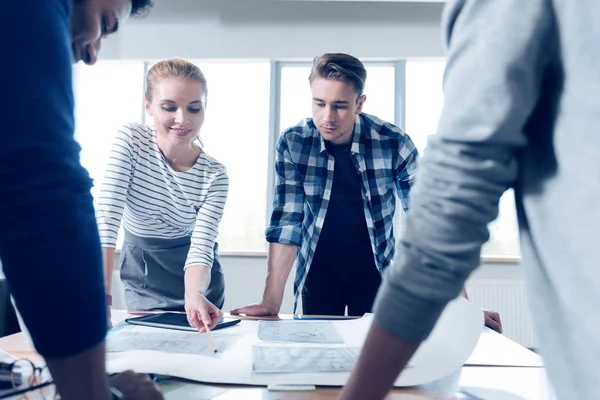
[508, 298]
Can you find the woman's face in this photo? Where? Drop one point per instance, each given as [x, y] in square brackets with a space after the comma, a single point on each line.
[177, 107]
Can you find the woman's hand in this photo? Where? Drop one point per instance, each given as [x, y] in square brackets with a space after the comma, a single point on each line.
[201, 313]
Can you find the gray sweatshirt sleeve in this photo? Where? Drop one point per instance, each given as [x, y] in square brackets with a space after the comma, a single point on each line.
[491, 86]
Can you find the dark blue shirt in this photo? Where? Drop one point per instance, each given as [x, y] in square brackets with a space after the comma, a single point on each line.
[49, 243]
[344, 242]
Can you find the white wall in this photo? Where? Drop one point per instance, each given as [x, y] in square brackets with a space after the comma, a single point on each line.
[264, 29]
[245, 277]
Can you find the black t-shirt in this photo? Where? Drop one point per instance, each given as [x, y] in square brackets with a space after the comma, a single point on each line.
[344, 240]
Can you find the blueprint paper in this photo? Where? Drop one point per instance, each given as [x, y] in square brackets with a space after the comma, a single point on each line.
[118, 316]
[298, 332]
[488, 394]
[443, 353]
[176, 390]
[169, 341]
[280, 359]
[510, 354]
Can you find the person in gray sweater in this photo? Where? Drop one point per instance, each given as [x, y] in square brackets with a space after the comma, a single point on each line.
[521, 92]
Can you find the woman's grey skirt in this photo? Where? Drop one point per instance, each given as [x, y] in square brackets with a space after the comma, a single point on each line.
[153, 276]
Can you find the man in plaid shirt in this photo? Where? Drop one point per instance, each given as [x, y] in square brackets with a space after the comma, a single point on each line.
[337, 177]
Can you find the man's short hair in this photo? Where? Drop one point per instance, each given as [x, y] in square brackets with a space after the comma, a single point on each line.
[342, 67]
[140, 8]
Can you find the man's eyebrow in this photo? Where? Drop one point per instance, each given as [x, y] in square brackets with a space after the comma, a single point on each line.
[334, 102]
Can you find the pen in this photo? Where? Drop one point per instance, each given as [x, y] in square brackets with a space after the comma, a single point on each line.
[210, 339]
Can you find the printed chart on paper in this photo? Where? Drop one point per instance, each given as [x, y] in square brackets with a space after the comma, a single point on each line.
[283, 359]
[299, 332]
[170, 341]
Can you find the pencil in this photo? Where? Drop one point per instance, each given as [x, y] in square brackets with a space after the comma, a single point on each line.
[210, 339]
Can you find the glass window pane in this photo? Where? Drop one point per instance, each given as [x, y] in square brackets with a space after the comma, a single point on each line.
[424, 99]
[380, 90]
[296, 101]
[107, 95]
[236, 133]
[295, 97]
[424, 103]
[504, 231]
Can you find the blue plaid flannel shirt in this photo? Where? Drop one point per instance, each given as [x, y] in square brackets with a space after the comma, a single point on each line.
[383, 155]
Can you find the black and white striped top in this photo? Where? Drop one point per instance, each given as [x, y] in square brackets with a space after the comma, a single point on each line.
[153, 200]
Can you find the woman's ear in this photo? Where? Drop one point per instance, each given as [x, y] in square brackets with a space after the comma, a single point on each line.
[147, 106]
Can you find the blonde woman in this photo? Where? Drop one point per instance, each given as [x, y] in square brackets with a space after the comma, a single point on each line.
[169, 194]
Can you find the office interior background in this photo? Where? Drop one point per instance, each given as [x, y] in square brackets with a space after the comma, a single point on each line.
[256, 55]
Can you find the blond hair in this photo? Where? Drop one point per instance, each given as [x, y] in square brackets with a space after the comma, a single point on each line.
[173, 68]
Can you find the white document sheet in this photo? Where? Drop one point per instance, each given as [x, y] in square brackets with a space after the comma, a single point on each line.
[444, 352]
[281, 359]
[176, 390]
[170, 341]
[510, 354]
[298, 332]
[487, 394]
[118, 316]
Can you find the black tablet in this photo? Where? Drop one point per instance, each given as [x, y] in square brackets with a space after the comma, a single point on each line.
[176, 321]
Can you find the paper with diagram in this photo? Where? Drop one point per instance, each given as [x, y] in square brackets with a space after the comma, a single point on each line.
[170, 341]
[280, 359]
[443, 353]
[299, 332]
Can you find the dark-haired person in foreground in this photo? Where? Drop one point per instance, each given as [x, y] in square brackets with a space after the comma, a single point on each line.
[49, 243]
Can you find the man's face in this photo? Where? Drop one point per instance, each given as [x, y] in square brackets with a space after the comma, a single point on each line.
[93, 20]
[335, 105]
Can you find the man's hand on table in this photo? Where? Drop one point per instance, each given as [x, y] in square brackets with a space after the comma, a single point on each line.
[492, 321]
[257, 310]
